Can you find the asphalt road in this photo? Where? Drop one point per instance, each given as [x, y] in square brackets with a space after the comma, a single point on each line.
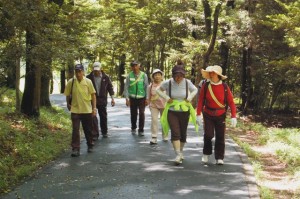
[126, 166]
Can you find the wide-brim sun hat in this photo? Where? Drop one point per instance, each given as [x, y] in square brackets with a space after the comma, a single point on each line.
[157, 71]
[217, 69]
[178, 69]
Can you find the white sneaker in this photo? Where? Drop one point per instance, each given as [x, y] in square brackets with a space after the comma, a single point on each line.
[153, 141]
[181, 156]
[220, 162]
[178, 160]
[165, 139]
[205, 158]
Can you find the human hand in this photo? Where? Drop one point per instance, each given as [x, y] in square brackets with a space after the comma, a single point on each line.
[146, 102]
[127, 102]
[199, 120]
[69, 107]
[233, 122]
[94, 112]
[170, 101]
[113, 102]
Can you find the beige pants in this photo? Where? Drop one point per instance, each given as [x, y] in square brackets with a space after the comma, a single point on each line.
[155, 123]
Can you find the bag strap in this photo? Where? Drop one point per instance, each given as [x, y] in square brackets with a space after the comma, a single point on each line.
[214, 97]
[137, 79]
[186, 89]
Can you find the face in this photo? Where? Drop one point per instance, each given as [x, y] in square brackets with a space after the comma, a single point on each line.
[135, 68]
[97, 73]
[178, 77]
[79, 74]
[157, 77]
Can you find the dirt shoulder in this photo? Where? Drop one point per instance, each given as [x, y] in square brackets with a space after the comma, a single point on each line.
[274, 173]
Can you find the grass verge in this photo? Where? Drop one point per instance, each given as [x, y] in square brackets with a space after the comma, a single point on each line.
[28, 144]
[271, 151]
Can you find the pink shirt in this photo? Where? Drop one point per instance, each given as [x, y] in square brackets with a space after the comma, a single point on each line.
[154, 99]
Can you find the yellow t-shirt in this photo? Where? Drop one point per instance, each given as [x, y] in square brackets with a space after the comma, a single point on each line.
[81, 95]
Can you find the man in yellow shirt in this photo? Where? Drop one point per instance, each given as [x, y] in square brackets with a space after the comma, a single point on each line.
[81, 101]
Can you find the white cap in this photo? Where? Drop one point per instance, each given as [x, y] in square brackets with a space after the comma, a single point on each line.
[97, 66]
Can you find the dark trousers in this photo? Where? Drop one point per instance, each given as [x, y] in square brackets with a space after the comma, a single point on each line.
[103, 118]
[214, 125]
[86, 121]
[178, 122]
[137, 106]
[95, 131]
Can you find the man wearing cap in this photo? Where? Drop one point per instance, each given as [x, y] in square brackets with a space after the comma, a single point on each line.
[81, 101]
[135, 92]
[102, 85]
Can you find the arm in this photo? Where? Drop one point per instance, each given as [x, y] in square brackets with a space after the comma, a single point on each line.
[231, 103]
[126, 91]
[160, 91]
[200, 101]
[193, 89]
[94, 109]
[111, 91]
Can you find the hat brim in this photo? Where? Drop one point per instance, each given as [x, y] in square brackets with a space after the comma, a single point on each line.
[97, 68]
[205, 74]
[162, 74]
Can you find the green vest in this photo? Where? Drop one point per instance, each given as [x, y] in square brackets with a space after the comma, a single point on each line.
[136, 87]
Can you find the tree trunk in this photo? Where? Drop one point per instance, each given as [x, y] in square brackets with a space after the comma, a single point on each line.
[18, 72]
[224, 54]
[212, 42]
[45, 85]
[30, 105]
[207, 17]
[121, 74]
[62, 80]
[244, 79]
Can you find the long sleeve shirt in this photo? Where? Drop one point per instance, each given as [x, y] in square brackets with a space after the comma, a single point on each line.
[127, 84]
[211, 107]
[179, 91]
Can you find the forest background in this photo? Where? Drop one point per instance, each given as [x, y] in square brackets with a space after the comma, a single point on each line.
[255, 42]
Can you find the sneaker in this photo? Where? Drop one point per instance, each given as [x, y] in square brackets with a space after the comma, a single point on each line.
[75, 153]
[133, 131]
[153, 141]
[105, 136]
[141, 133]
[165, 139]
[181, 156]
[219, 162]
[178, 160]
[205, 158]
[95, 138]
[90, 149]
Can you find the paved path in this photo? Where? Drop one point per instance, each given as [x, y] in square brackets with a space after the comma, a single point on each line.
[126, 166]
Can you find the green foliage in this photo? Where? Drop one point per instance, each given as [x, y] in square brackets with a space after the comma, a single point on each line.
[266, 193]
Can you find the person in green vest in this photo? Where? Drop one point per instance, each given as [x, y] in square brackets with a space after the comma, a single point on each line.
[135, 92]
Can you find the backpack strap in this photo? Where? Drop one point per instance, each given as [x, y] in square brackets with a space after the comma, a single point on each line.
[225, 94]
[170, 88]
[186, 89]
